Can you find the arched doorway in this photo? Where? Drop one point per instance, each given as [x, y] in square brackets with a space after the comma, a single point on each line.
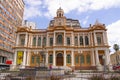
[59, 59]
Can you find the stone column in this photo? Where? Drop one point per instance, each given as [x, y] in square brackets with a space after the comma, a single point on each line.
[26, 38]
[64, 38]
[104, 39]
[28, 58]
[95, 40]
[31, 40]
[54, 59]
[98, 65]
[78, 40]
[15, 58]
[89, 40]
[17, 41]
[64, 57]
[72, 39]
[36, 41]
[97, 57]
[47, 40]
[24, 59]
[72, 56]
[93, 58]
[47, 58]
[107, 57]
[54, 40]
[83, 39]
[41, 41]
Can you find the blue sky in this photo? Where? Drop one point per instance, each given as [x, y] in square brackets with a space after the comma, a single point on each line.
[86, 11]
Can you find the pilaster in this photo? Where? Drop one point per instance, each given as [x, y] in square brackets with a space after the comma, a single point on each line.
[64, 57]
[54, 59]
[72, 55]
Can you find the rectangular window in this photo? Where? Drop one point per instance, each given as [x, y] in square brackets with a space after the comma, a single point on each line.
[86, 40]
[38, 59]
[76, 41]
[33, 59]
[81, 40]
[44, 41]
[68, 41]
[34, 41]
[81, 59]
[51, 41]
[50, 58]
[22, 39]
[68, 59]
[39, 41]
[76, 59]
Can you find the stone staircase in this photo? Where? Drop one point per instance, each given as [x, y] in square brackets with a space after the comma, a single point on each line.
[65, 68]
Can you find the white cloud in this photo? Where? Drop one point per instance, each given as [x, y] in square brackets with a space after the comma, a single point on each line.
[80, 5]
[32, 8]
[67, 5]
[85, 20]
[114, 34]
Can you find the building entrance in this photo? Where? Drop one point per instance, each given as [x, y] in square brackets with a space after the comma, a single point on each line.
[59, 59]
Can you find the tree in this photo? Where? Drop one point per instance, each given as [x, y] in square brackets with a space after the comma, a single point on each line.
[116, 47]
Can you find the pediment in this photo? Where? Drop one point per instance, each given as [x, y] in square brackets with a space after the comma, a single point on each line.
[98, 27]
[57, 28]
[22, 29]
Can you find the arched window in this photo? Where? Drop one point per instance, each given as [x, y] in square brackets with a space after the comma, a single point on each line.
[82, 59]
[76, 41]
[39, 41]
[51, 41]
[68, 41]
[59, 14]
[86, 40]
[51, 58]
[81, 40]
[88, 58]
[59, 39]
[99, 41]
[34, 41]
[68, 58]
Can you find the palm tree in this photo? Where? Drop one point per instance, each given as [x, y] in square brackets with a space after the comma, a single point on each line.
[116, 47]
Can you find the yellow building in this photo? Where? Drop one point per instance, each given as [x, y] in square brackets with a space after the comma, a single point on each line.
[115, 58]
[64, 43]
[11, 16]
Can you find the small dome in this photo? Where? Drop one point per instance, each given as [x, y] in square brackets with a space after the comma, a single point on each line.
[60, 12]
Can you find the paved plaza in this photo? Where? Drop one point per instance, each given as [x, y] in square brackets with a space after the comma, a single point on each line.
[72, 76]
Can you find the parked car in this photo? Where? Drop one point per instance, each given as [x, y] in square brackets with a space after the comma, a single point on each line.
[116, 67]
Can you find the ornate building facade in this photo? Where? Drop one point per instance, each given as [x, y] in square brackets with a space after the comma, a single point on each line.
[64, 43]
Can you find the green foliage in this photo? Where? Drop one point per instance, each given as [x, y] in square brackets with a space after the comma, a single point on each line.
[116, 47]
